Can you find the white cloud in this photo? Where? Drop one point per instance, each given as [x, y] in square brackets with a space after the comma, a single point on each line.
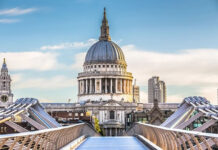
[143, 96]
[175, 98]
[190, 67]
[79, 60]
[197, 67]
[9, 20]
[31, 60]
[210, 93]
[16, 11]
[74, 45]
[55, 82]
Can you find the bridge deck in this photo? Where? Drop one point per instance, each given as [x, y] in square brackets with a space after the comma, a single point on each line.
[112, 143]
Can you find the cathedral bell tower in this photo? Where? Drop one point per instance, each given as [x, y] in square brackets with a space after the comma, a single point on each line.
[6, 97]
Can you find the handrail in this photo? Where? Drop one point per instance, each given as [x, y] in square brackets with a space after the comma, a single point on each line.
[38, 131]
[181, 131]
[170, 138]
[53, 138]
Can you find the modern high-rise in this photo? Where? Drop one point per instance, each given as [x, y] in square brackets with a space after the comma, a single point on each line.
[156, 90]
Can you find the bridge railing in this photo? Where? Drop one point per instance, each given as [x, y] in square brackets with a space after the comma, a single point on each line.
[174, 139]
[54, 138]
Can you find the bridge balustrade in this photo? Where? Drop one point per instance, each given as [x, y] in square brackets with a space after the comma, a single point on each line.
[51, 139]
[174, 139]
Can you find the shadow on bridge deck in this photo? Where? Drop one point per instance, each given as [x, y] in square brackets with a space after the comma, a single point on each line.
[112, 143]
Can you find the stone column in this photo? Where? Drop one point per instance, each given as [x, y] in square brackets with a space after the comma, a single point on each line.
[93, 85]
[90, 86]
[121, 85]
[110, 131]
[86, 86]
[111, 85]
[105, 82]
[79, 87]
[127, 86]
[124, 85]
[101, 85]
[115, 86]
[131, 87]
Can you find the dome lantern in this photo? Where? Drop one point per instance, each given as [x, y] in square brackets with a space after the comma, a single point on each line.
[105, 29]
[105, 50]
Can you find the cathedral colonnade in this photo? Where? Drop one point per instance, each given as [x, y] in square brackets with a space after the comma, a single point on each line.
[104, 85]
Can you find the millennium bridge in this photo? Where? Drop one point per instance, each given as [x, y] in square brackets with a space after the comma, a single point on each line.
[172, 134]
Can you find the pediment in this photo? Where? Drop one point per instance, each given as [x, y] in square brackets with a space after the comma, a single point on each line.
[112, 103]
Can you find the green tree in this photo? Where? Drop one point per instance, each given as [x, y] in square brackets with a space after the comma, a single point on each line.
[97, 127]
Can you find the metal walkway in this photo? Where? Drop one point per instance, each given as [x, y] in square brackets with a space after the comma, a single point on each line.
[112, 143]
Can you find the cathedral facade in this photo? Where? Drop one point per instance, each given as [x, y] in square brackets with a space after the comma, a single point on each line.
[106, 82]
[105, 75]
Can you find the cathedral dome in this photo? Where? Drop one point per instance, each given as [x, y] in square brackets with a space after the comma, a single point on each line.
[105, 52]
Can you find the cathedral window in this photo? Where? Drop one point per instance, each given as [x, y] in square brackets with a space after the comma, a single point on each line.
[98, 85]
[4, 98]
[4, 84]
[119, 85]
[112, 113]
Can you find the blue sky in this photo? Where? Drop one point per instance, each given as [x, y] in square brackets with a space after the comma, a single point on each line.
[45, 42]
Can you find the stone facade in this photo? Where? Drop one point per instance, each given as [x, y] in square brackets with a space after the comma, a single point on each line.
[114, 116]
[105, 75]
[6, 97]
[106, 82]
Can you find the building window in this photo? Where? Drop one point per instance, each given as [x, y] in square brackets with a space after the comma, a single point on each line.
[95, 66]
[4, 85]
[112, 66]
[81, 114]
[99, 66]
[119, 86]
[70, 114]
[98, 86]
[112, 114]
[76, 114]
[103, 66]
[108, 66]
